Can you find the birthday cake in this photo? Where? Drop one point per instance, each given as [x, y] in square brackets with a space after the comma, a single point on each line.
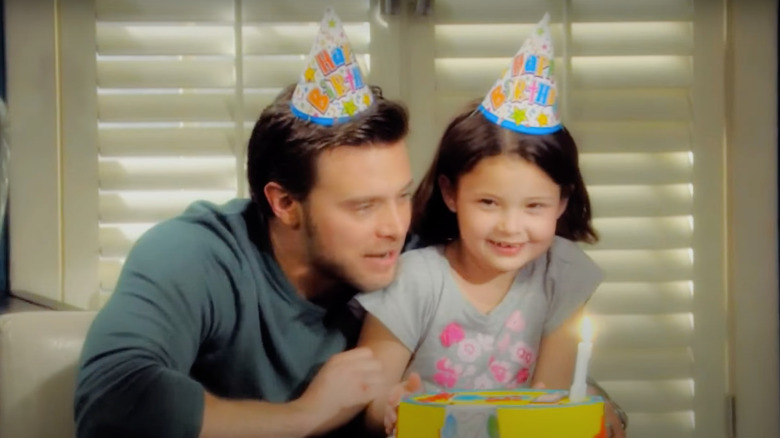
[500, 414]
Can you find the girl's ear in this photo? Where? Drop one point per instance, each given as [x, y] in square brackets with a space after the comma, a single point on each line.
[286, 208]
[447, 192]
[562, 204]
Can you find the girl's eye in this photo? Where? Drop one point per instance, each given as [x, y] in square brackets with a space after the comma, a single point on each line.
[538, 206]
[487, 202]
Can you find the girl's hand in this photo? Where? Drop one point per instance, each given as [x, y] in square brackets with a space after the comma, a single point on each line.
[412, 384]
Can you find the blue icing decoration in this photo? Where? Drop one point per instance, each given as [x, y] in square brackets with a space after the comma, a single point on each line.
[450, 429]
[468, 397]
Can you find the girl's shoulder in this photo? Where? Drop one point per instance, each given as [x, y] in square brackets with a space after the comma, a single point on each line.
[567, 259]
[433, 256]
[567, 251]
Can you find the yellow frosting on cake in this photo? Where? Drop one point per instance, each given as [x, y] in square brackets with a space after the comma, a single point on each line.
[500, 414]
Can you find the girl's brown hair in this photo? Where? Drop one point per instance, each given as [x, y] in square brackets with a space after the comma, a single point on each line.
[469, 138]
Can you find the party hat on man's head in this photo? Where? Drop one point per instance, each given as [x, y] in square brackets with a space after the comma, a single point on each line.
[331, 89]
[525, 98]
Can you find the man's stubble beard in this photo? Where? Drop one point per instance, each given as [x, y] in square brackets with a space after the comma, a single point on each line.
[327, 269]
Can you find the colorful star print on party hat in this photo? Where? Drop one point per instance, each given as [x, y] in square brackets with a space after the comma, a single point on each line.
[525, 98]
[331, 89]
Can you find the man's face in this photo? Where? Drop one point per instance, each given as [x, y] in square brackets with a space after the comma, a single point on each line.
[358, 213]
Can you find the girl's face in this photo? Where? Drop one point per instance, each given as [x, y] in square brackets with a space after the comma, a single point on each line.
[507, 209]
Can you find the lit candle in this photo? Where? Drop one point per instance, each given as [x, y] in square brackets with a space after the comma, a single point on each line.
[584, 348]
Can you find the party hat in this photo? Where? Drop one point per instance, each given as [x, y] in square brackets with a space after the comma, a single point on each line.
[331, 89]
[525, 98]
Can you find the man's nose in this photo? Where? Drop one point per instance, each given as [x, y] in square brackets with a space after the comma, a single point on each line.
[395, 219]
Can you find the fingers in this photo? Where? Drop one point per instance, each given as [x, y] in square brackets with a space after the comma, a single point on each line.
[391, 418]
[611, 418]
[538, 385]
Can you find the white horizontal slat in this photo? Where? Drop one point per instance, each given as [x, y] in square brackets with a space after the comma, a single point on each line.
[643, 38]
[644, 233]
[630, 104]
[144, 39]
[641, 201]
[166, 72]
[469, 75]
[497, 40]
[164, 107]
[601, 11]
[108, 272]
[665, 396]
[254, 103]
[608, 365]
[631, 10]
[168, 173]
[272, 72]
[493, 40]
[631, 72]
[636, 168]
[296, 11]
[468, 11]
[297, 39]
[634, 136]
[671, 425]
[603, 72]
[171, 141]
[116, 240]
[152, 206]
[265, 72]
[642, 298]
[643, 331]
[645, 265]
[162, 11]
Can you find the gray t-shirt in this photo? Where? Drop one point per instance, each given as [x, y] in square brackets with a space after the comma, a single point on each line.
[455, 346]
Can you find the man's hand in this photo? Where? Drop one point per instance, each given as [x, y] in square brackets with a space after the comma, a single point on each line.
[411, 385]
[614, 424]
[613, 421]
[342, 388]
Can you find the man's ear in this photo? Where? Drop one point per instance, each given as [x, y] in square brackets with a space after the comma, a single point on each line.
[286, 208]
[447, 192]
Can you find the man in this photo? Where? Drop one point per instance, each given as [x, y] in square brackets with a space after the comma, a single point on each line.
[225, 306]
[232, 321]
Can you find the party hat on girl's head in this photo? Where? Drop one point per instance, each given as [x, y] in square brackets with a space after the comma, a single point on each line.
[525, 98]
[331, 88]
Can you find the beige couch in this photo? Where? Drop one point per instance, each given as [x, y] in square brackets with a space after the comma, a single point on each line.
[38, 356]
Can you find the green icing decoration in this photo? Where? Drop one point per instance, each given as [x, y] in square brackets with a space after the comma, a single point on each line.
[492, 426]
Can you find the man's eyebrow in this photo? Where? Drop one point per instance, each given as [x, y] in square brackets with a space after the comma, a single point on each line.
[369, 199]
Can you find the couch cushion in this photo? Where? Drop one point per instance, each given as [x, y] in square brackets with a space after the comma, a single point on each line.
[39, 352]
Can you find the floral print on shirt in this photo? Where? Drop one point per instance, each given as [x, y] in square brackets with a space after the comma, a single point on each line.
[478, 361]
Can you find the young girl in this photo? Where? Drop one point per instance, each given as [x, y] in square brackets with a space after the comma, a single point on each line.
[495, 300]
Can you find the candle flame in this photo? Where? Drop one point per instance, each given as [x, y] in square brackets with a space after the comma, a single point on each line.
[587, 329]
